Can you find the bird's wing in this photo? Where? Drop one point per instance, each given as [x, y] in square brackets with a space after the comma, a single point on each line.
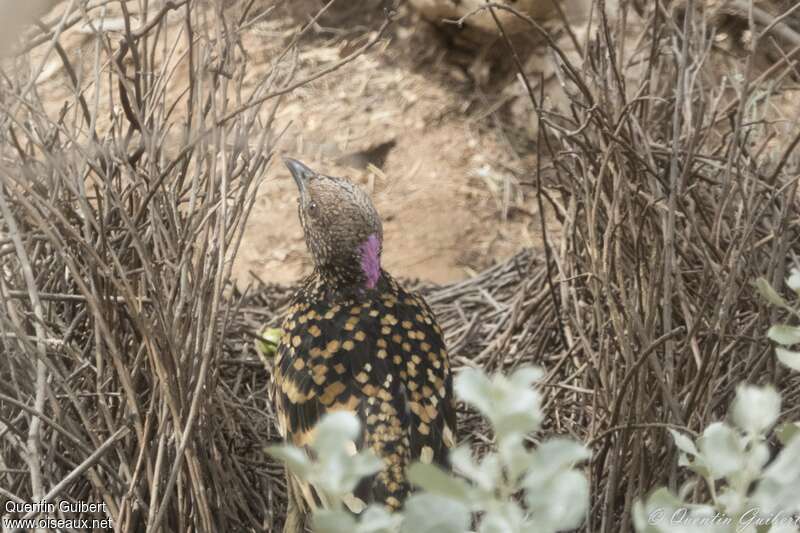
[427, 378]
[329, 359]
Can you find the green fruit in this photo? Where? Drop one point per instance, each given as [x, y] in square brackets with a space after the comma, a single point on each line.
[267, 343]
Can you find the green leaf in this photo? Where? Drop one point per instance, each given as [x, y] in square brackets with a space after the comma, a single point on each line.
[484, 474]
[560, 503]
[793, 281]
[511, 405]
[339, 474]
[330, 521]
[505, 518]
[687, 488]
[698, 465]
[473, 387]
[683, 442]
[721, 450]
[768, 293]
[788, 358]
[787, 432]
[431, 513]
[525, 376]
[335, 432]
[295, 459]
[552, 457]
[514, 456]
[653, 515]
[756, 409]
[756, 458]
[778, 489]
[785, 469]
[376, 519]
[436, 481]
[783, 527]
[641, 518]
[783, 334]
[365, 464]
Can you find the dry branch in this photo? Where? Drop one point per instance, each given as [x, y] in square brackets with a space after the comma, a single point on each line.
[121, 213]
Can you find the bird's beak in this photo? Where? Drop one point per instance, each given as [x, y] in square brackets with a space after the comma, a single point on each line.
[300, 173]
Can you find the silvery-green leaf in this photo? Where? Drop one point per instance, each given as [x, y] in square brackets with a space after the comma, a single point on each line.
[517, 410]
[341, 473]
[662, 512]
[773, 497]
[721, 450]
[784, 334]
[431, 513]
[683, 442]
[561, 502]
[700, 519]
[330, 521]
[525, 376]
[732, 501]
[785, 469]
[662, 497]
[358, 467]
[435, 480]
[473, 387]
[551, 457]
[484, 474]
[768, 293]
[793, 281]
[788, 357]
[514, 456]
[517, 422]
[684, 460]
[641, 519]
[783, 527]
[780, 484]
[686, 489]
[757, 457]
[495, 523]
[512, 407]
[295, 459]
[376, 519]
[756, 409]
[507, 518]
[335, 431]
[696, 465]
[653, 515]
[787, 432]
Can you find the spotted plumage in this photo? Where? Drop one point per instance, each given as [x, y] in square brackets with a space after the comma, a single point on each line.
[354, 339]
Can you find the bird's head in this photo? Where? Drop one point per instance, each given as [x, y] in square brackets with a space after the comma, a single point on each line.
[342, 228]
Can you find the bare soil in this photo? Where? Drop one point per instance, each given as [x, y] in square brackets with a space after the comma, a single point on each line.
[408, 122]
[435, 127]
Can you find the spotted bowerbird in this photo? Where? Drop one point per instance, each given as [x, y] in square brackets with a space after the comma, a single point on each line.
[354, 339]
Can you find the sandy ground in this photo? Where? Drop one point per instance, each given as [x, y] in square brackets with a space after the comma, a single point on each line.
[437, 129]
[407, 122]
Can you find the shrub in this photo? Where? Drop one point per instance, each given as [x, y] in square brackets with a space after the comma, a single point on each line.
[747, 491]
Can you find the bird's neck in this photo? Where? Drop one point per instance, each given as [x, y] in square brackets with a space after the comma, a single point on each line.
[370, 260]
[356, 273]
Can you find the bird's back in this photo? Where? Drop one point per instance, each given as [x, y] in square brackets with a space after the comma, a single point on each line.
[376, 352]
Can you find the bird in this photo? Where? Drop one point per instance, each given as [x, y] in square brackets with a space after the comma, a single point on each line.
[354, 339]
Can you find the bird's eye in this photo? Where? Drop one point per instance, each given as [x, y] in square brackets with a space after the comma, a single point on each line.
[312, 206]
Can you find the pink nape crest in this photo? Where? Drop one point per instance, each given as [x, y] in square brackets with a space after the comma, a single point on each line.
[371, 260]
